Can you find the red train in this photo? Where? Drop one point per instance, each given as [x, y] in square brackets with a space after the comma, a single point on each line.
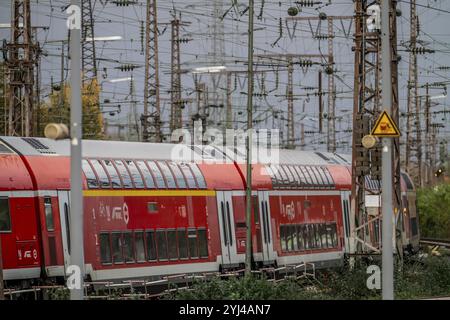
[148, 216]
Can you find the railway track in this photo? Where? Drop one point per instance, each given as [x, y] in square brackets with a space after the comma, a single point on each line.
[435, 242]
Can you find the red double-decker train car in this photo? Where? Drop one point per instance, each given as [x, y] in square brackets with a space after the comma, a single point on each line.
[152, 210]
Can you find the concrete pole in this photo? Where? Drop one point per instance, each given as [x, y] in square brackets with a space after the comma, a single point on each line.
[248, 191]
[76, 196]
[386, 160]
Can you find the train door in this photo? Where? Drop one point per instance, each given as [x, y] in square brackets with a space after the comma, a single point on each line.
[227, 229]
[345, 196]
[266, 229]
[64, 214]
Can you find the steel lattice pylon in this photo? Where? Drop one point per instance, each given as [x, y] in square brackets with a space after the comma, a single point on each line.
[151, 118]
[20, 68]
[366, 164]
[175, 92]
[89, 64]
[413, 108]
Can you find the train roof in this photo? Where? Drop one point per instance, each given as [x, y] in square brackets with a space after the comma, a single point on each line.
[165, 151]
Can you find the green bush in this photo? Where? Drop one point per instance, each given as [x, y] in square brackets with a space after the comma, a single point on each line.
[433, 205]
[59, 294]
[413, 280]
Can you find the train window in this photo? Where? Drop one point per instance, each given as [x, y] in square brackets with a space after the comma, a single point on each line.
[302, 180]
[192, 243]
[182, 244]
[306, 236]
[414, 226]
[126, 179]
[306, 175]
[157, 174]
[101, 174]
[117, 247]
[151, 245]
[105, 248]
[128, 252]
[282, 172]
[297, 181]
[161, 241]
[198, 175]
[203, 243]
[146, 174]
[276, 174]
[293, 235]
[323, 235]
[283, 238]
[189, 176]
[49, 214]
[5, 217]
[296, 176]
[290, 177]
[167, 174]
[152, 207]
[320, 177]
[310, 172]
[90, 175]
[139, 246]
[287, 236]
[317, 241]
[332, 233]
[172, 244]
[312, 236]
[135, 174]
[178, 175]
[114, 176]
[328, 177]
[300, 239]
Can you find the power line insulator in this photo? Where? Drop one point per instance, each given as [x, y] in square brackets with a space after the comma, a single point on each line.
[305, 63]
[307, 3]
[124, 3]
[322, 36]
[421, 50]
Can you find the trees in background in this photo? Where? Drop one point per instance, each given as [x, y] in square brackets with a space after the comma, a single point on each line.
[434, 211]
[57, 109]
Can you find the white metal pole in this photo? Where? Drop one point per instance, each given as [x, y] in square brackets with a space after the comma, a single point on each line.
[76, 197]
[386, 160]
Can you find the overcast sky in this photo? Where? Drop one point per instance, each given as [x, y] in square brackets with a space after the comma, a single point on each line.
[126, 21]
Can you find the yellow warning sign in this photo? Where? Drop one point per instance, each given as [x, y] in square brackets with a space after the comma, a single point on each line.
[385, 127]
